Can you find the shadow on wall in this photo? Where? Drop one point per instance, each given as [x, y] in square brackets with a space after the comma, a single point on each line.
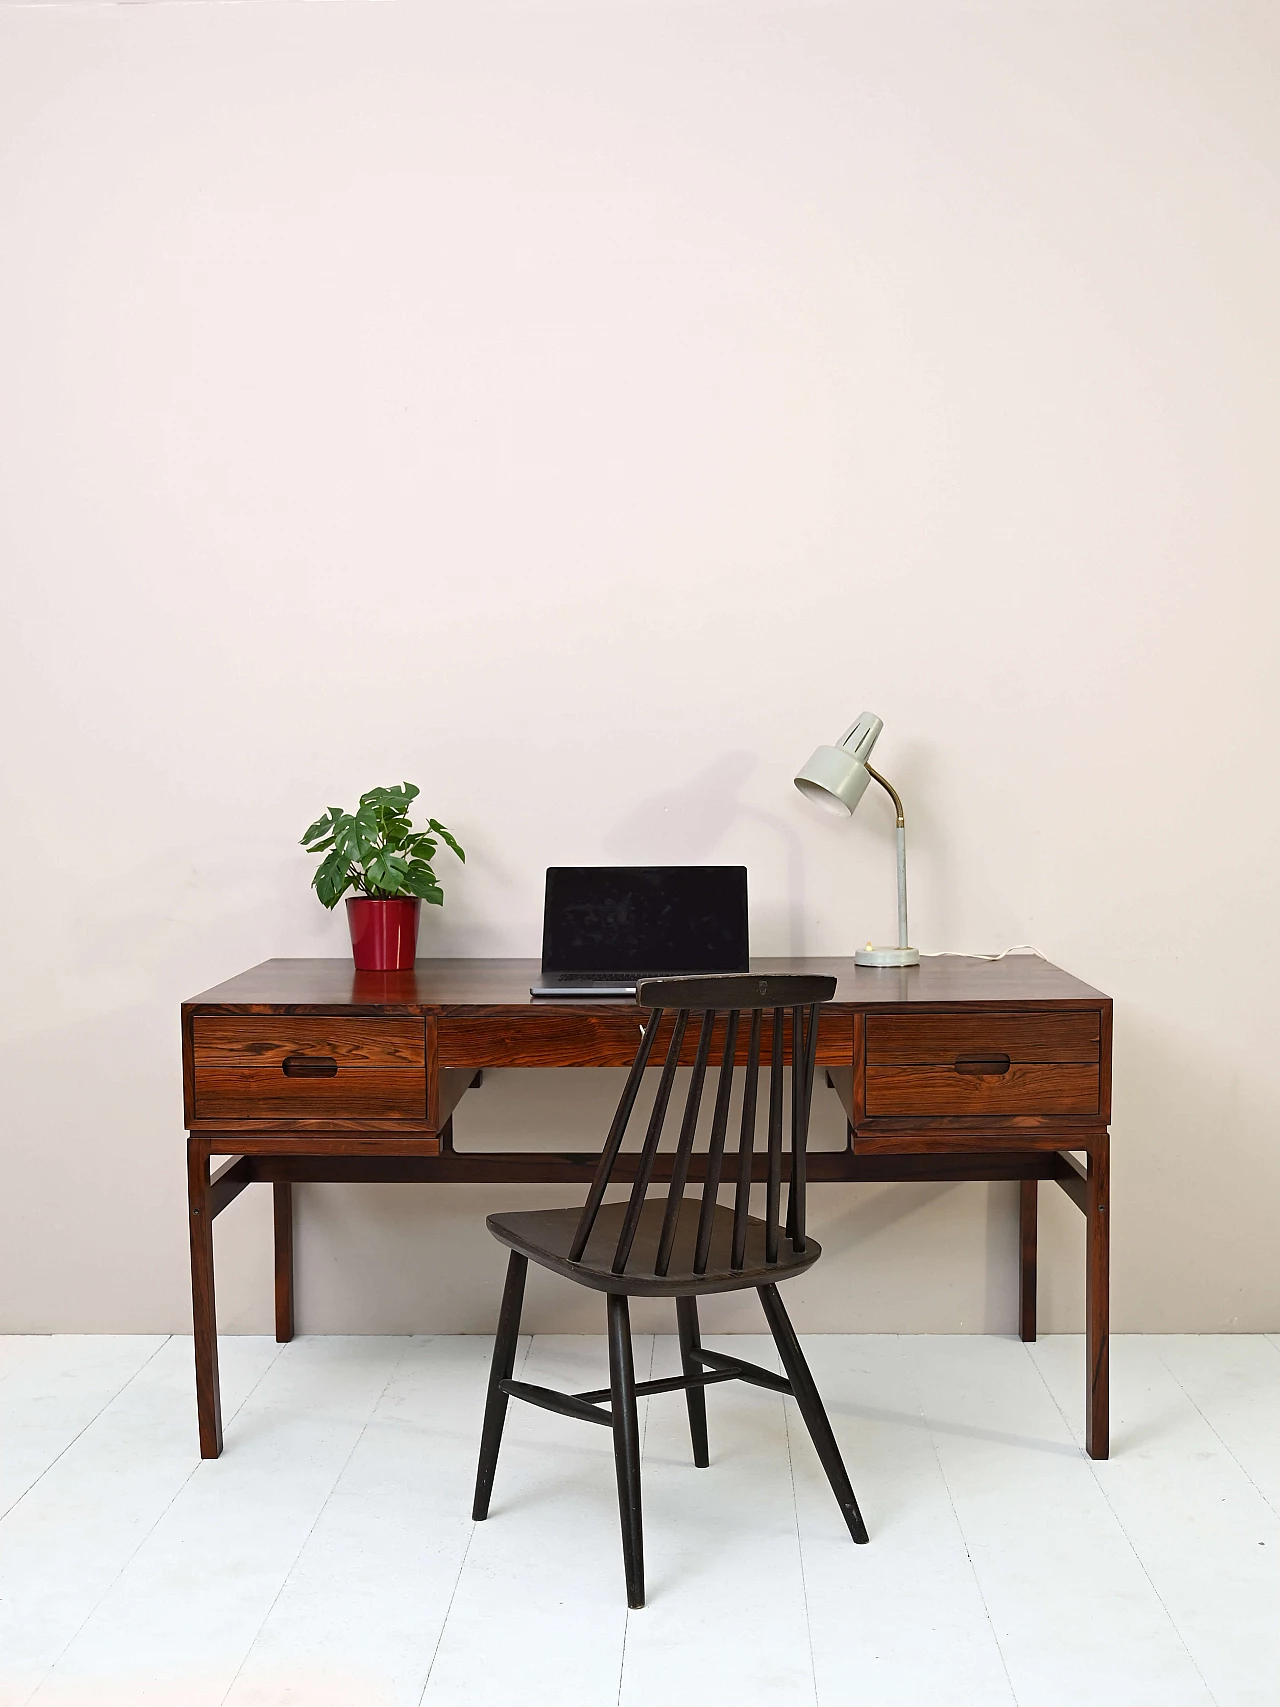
[695, 818]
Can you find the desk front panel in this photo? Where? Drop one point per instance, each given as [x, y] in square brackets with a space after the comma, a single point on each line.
[950, 1078]
[547, 1036]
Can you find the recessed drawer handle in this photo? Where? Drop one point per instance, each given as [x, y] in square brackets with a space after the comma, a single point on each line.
[987, 1065]
[309, 1067]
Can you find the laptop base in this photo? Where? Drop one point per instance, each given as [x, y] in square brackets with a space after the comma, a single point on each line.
[592, 988]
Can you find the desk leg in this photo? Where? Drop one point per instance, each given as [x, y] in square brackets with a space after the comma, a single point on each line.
[204, 1317]
[1097, 1296]
[1028, 1208]
[283, 1204]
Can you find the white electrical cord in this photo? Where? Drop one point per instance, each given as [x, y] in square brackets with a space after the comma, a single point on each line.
[959, 953]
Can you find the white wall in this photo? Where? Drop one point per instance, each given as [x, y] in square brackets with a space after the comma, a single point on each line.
[582, 411]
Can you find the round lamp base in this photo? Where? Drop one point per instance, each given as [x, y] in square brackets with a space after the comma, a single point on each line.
[887, 957]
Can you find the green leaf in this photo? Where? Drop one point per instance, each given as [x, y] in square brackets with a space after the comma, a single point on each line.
[332, 879]
[446, 837]
[423, 885]
[388, 871]
[357, 839]
[322, 826]
[396, 799]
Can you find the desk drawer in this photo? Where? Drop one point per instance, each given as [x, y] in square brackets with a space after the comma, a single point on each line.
[985, 1063]
[345, 1068]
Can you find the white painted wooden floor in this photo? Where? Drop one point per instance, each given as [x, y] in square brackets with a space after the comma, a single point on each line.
[328, 1557]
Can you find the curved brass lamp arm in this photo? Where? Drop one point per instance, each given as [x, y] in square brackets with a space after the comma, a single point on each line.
[892, 792]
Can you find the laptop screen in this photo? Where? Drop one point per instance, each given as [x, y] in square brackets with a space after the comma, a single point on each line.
[645, 918]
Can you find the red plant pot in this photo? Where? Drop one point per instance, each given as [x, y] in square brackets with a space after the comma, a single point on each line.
[384, 934]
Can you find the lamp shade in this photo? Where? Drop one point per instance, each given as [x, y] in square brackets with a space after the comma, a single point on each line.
[836, 777]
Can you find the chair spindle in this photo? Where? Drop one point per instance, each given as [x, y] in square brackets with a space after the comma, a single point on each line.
[773, 1188]
[746, 1144]
[715, 1148]
[684, 1146]
[648, 1155]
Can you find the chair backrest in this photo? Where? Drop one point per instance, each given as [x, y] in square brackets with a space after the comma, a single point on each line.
[793, 1002]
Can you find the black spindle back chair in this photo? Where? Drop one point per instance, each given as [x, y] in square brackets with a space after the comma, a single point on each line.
[679, 1246]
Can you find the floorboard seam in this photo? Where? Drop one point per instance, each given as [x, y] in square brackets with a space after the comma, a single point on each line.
[106, 1404]
[964, 1539]
[284, 1581]
[267, 1368]
[462, 1562]
[1261, 1492]
[1142, 1566]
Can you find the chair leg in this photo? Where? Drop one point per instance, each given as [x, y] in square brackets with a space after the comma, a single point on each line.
[807, 1397]
[695, 1397]
[626, 1444]
[504, 1361]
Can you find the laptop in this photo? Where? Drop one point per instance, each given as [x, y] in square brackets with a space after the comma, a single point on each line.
[604, 927]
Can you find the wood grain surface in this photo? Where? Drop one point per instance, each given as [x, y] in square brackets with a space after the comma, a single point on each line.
[908, 1039]
[354, 1093]
[1028, 1088]
[557, 1036]
[244, 1040]
[309, 984]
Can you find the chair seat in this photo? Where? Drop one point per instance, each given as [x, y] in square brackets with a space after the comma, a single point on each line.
[546, 1235]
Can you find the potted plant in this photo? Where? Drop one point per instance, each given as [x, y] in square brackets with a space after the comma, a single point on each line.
[376, 851]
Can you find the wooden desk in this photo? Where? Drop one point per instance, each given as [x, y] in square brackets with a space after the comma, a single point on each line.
[954, 1070]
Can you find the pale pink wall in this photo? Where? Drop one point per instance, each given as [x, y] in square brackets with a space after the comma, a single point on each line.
[614, 400]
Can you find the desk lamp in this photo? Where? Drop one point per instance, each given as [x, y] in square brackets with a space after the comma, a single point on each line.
[836, 778]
